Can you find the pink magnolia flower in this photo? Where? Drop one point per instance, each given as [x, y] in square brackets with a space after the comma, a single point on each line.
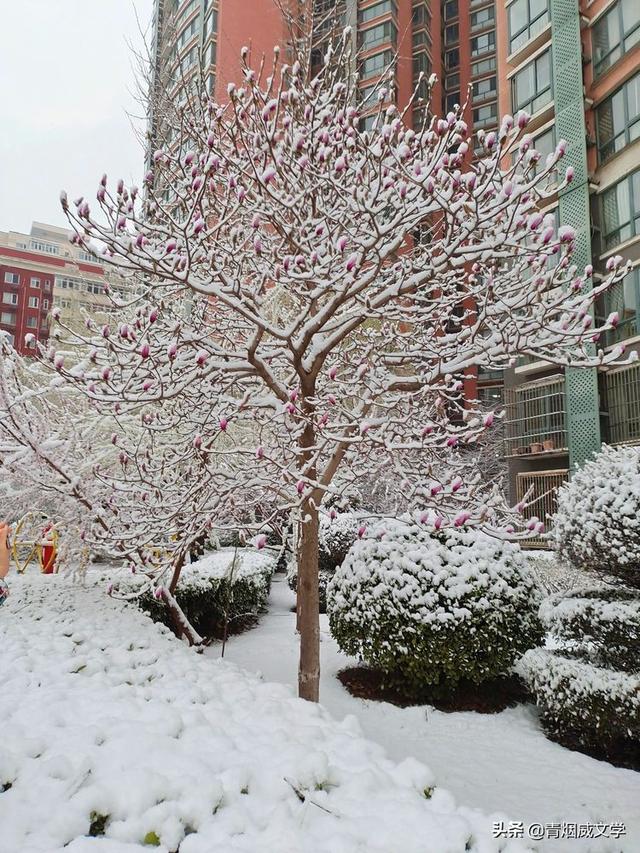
[261, 541]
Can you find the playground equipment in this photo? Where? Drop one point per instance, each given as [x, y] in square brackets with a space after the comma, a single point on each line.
[32, 542]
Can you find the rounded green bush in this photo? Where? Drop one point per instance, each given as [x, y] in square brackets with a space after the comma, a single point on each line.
[433, 608]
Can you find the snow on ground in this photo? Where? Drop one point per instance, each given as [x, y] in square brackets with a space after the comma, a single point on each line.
[108, 720]
[495, 762]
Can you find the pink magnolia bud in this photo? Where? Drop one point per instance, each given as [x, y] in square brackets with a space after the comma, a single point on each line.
[293, 395]
[114, 438]
[147, 384]
[341, 243]
[333, 514]
[426, 430]
[331, 400]
[145, 350]
[361, 531]
[198, 226]
[172, 351]
[523, 119]
[452, 441]
[189, 158]
[202, 357]
[260, 453]
[290, 408]
[438, 522]
[351, 263]
[157, 593]
[340, 164]
[300, 486]
[364, 428]
[261, 541]
[588, 270]
[435, 489]
[171, 246]
[535, 221]
[257, 245]
[106, 373]
[488, 419]
[197, 442]
[424, 517]
[569, 174]
[613, 319]
[120, 186]
[56, 313]
[456, 484]
[333, 372]
[268, 175]
[461, 518]
[223, 423]
[153, 316]
[323, 420]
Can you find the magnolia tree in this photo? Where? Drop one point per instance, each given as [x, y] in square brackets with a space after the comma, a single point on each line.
[310, 297]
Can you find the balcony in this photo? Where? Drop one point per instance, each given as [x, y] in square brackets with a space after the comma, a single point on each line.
[621, 390]
[536, 421]
[541, 489]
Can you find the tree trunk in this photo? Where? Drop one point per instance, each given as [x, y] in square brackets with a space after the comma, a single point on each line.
[309, 606]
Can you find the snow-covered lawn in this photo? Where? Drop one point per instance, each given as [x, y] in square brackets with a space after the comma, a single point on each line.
[491, 761]
[109, 722]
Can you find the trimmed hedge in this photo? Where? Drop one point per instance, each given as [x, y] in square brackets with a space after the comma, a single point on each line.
[432, 608]
[596, 526]
[211, 594]
[583, 704]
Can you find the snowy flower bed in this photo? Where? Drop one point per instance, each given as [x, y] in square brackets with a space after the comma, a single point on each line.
[114, 728]
[597, 522]
[212, 591]
[430, 608]
[583, 701]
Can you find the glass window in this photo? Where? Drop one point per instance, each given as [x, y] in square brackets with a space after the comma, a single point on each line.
[375, 64]
[35, 283]
[451, 10]
[614, 34]
[618, 119]
[10, 298]
[32, 322]
[210, 25]
[452, 58]
[421, 16]
[621, 211]
[421, 63]
[485, 66]
[484, 43]
[381, 33]
[531, 87]
[482, 18]
[624, 299]
[451, 34]
[526, 19]
[485, 115]
[47, 286]
[484, 89]
[452, 101]
[11, 278]
[376, 10]
[34, 301]
[45, 304]
[8, 317]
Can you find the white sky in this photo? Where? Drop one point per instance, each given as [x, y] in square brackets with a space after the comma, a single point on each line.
[66, 84]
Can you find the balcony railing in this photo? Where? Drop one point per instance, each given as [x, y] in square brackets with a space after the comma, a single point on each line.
[536, 421]
[542, 488]
[622, 394]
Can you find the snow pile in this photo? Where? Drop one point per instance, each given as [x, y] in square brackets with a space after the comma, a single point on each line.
[430, 607]
[597, 523]
[115, 728]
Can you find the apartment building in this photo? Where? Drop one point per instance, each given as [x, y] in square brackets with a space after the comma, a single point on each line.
[575, 67]
[42, 269]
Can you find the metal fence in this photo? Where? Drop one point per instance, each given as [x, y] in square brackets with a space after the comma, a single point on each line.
[536, 421]
[622, 399]
[542, 500]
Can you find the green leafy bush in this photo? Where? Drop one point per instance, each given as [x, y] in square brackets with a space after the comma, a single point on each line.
[432, 608]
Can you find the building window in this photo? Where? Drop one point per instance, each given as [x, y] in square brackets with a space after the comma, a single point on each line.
[48, 248]
[419, 39]
[10, 298]
[45, 304]
[367, 122]
[210, 25]
[618, 119]
[8, 317]
[484, 43]
[482, 18]
[526, 19]
[485, 66]
[485, 115]
[615, 34]
[421, 65]
[376, 10]
[624, 299]
[451, 10]
[34, 302]
[35, 283]
[11, 278]
[376, 64]
[32, 322]
[47, 286]
[453, 100]
[451, 34]
[621, 211]
[420, 16]
[483, 89]
[380, 34]
[531, 88]
[452, 58]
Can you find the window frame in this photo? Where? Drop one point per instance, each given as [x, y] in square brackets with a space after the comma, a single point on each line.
[528, 27]
[625, 133]
[603, 64]
[537, 91]
[633, 220]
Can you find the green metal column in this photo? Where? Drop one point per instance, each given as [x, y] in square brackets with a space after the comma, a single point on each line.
[582, 402]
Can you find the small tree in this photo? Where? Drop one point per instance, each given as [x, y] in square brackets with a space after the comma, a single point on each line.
[312, 294]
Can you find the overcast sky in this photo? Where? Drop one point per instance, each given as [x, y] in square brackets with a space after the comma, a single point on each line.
[66, 84]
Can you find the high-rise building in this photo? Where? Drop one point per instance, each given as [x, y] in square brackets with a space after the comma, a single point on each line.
[575, 67]
[42, 269]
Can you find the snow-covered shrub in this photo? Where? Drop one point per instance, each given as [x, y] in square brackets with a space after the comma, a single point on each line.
[212, 592]
[335, 537]
[588, 687]
[582, 703]
[324, 577]
[434, 608]
[604, 622]
[597, 522]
